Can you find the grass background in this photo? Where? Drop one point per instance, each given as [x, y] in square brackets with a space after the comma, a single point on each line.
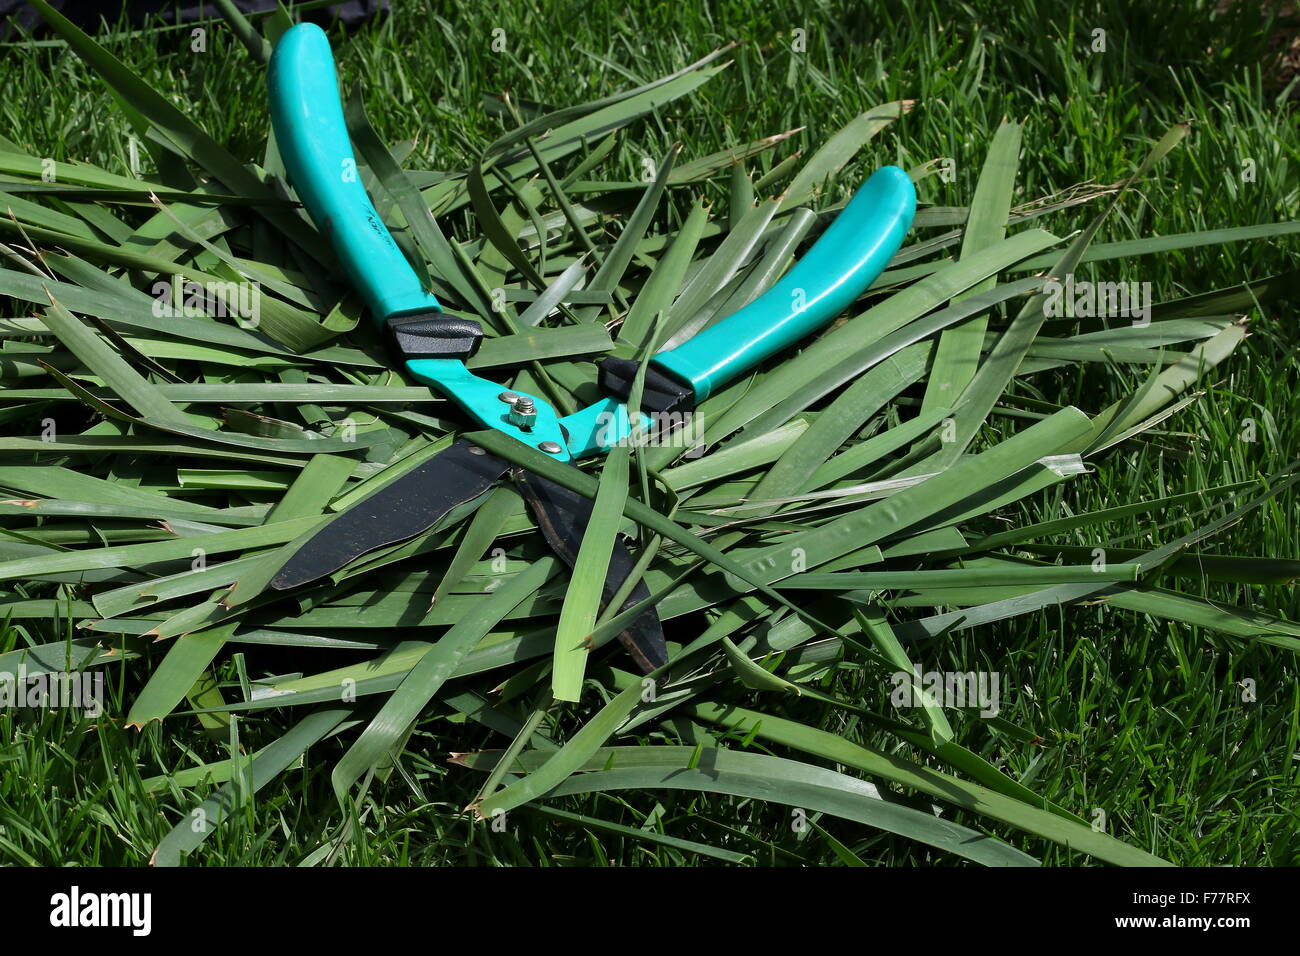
[1142, 720]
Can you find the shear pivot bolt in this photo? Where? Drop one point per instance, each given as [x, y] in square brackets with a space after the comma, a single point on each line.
[508, 397]
[523, 413]
[549, 447]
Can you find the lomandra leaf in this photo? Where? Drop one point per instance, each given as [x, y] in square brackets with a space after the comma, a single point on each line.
[958, 353]
[776, 779]
[586, 585]
[828, 746]
[272, 760]
[435, 667]
[124, 381]
[185, 662]
[176, 126]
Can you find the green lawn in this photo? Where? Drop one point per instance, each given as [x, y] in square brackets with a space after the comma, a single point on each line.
[1177, 739]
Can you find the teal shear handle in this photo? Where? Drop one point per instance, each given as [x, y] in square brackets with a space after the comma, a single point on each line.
[313, 141]
[839, 267]
[307, 117]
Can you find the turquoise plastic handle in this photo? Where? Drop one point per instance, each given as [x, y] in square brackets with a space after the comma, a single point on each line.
[839, 267]
[307, 117]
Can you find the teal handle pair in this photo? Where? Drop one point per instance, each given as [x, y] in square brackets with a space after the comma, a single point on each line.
[308, 120]
[839, 267]
[307, 117]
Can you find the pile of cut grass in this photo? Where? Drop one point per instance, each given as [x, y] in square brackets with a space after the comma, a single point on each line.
[240, 439]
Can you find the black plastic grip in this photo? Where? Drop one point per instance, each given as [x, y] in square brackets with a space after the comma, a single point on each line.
[661, 392]
[433, 335]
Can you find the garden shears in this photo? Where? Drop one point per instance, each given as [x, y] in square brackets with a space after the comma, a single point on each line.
[433, 344]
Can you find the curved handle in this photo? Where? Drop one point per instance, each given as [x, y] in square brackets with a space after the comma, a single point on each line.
[839, 267]
[313, 139]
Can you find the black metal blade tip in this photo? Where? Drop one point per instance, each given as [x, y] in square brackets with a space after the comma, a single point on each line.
[409, 506]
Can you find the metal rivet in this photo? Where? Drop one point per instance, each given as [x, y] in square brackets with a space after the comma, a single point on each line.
[550, 447]
[508, 397]
[475, 450]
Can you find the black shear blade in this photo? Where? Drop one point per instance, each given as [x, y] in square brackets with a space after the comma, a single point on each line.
[409, 506]
[563, 515]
